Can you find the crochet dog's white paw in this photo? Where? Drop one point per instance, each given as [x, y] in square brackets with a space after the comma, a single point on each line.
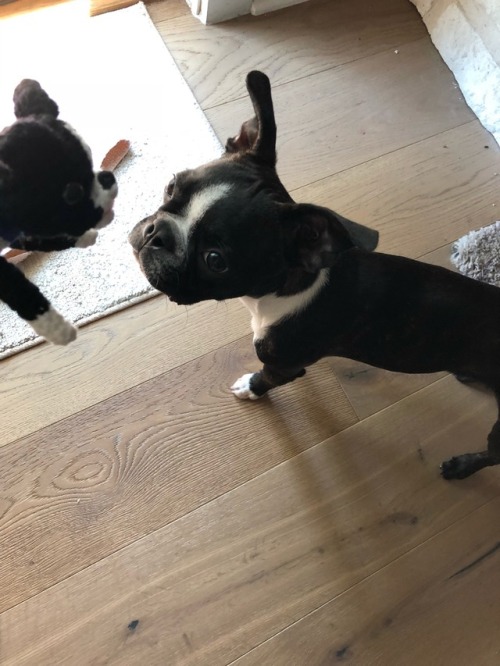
[241, 388]
[87, 239]
[53, 327]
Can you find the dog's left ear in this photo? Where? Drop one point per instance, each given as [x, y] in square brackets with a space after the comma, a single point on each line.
[258, 135]
[319, 235]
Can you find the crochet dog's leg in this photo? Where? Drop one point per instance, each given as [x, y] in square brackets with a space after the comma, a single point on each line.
[27, 300]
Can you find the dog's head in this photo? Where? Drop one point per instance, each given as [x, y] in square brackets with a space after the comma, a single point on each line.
[48, 188]
[229, 228]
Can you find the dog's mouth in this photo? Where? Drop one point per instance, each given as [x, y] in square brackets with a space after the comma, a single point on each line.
[163, 275]
[137, 239]
[179, 300]
[136, 249]
[167, 282]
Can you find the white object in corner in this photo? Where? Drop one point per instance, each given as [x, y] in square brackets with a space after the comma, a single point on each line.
[215, 11]
[264, 6]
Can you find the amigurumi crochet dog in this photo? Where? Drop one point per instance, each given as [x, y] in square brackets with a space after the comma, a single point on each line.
[50, 199]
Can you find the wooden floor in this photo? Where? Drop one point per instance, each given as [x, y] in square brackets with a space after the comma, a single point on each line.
[147, 517]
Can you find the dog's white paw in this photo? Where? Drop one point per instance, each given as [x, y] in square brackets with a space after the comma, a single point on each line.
[241, 388]
[87, 239]
[53, 327]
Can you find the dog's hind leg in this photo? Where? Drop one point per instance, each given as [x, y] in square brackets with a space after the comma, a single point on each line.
[460, 467]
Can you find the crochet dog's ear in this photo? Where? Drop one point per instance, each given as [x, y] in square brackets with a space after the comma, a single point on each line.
[30, 99]
[5, 175]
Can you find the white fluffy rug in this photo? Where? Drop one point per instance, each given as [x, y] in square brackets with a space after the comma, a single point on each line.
[467, 36]
[477, 254]
[113, 78]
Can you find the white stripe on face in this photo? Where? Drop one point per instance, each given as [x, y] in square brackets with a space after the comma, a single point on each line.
[185, 221]
[201, 202]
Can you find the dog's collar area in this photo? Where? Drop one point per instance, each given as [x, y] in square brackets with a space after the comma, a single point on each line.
[270, 309]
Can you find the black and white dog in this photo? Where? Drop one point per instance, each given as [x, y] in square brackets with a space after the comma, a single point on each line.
[50, 199]
[310, 278]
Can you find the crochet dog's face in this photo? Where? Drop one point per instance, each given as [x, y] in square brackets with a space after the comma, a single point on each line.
[48, 188]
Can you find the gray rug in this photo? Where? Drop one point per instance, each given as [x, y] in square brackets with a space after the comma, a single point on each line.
[477, 254]
[113, 78]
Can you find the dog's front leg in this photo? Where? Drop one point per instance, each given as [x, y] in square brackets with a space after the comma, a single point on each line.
[254, 385]
[56, 243]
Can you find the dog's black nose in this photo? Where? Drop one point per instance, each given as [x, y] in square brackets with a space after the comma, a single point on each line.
[106, 179]
[159, 234]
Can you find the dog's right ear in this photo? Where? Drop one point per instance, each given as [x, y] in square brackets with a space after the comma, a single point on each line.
[318, 235]
[30, 99]
[258, 135]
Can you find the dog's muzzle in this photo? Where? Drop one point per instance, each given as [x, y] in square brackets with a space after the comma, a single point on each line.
[160, 235]
[156, 234]
[160, 247]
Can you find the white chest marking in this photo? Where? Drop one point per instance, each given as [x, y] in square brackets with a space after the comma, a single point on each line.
[270, 309]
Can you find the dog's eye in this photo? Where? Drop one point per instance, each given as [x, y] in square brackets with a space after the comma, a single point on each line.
[215, 261]
[169, 190]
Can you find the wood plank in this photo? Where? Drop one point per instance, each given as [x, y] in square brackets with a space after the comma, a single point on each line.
[371, 389]
[218, 582]
[165, 10]
[76, 491]
[345, 116]
[423, 196]
[298, 42]
[103, 6]
[438, 604]
[17, 7]
[48, 383]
